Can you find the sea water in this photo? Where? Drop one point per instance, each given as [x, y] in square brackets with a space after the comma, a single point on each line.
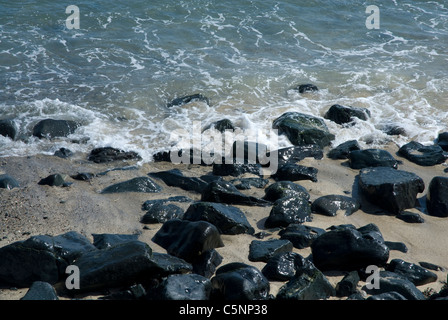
[116, 67]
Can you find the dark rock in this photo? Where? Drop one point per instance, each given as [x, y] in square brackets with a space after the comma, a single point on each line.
[394, 130]
[163, 265]
[422, 155]
[161, 213]
[391, 189]
[302, 129]
[282, 189]
[228, 219]
[50, 128]
[206, 264]
[329, 205]
[63, 153]
[307, 284]
[295, 172]
[71, 245]
[248, 183]
[185, 287]
[343, 150]
[237, 169]
[359, 159]
[175, 178]
[410, 217]
[54, 180]
[347, 248]
[392, 282]
[107, 240]
[249, 152]
[348, 285]
[225, 192]
[139, 184]
[301, 236]
[120, 265]
[83, 176]
[40, 290]
[442, 140]
[397, 246]
[342, 114]
[187, 99]
[414, 273]
[303, 88]
[148, 204]
[8, 128]
[283, 266]
[288, 210]
[223, 125]
[265, 250]
[187, 239]
[437, 197]
[239, 281]
[387, 296]
[108, 154]
[8, 182]
[431, 266]
[24, 262]
[297, 153]
[134, 292]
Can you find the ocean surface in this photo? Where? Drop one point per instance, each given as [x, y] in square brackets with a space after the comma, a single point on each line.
[117, 72]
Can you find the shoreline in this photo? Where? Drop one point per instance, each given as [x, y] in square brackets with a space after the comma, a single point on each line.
[34, 209]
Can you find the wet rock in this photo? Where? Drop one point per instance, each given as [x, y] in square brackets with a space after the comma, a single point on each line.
[249, 152]
[431, 266]
[63, 153]
[175, 178]
[393, 130]
[346, 248]
[348, 285]
[134, 292]
[187, 239]
[303, 129]
[139, 184]
[237, 169]
[120, 265]
[391, 189]
[387, 296]
[206, 264]
[8, 128]
[54, 180]
[442, 140]
[163, 264]
[297, 153]
[239, 281]
[342, 114]
[109, 154]
[422, 155]
[301, 236]
[161, 213]
[248, 183]
[148, 204]
[329, 205]
[83, 176]
[410, 217]
[225, 192]
[303, 88]
[184, 287]
[107, 240]
[307, 284]
[359, 159]
[265, 250]
[413, 272]
[187, 99]
[8, 182]
[392, 282]
[343, 150]
[289, 210]
[223, 125]
[397, 246]
[70, 245]
[437, 197]
[283, 266]
[228, 219]
[50, 128]
[40, 290]
[282, 189]
[295, 172]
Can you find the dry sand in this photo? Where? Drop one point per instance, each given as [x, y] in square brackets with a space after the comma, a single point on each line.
[33, 209]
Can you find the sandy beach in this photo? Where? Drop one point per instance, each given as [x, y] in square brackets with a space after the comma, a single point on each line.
[36, 209]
